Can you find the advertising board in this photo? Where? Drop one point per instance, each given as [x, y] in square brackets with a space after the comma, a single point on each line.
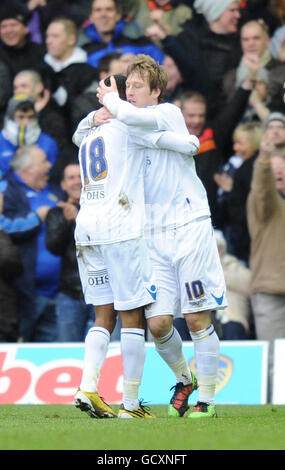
[50, 373]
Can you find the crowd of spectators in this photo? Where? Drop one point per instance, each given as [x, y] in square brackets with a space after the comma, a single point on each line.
[226, 65]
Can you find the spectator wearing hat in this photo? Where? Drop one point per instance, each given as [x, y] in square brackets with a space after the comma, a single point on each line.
[10, 268]
[266, 222]
[211, 40]
[16, 48]
[21, 127]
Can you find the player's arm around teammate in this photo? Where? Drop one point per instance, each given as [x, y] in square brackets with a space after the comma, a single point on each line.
[143, 92]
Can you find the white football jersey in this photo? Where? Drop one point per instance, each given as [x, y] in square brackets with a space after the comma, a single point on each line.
[112, 198]
[174, 194]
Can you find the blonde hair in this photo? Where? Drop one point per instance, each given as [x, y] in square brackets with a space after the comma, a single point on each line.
[148, 68]
[254, 131]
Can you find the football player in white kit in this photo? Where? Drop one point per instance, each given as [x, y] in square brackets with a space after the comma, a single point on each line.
[180, 237]
[114, 265]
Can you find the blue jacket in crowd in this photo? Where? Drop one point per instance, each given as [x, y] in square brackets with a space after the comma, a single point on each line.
[96, 49]
[41, 269]
[7, 150]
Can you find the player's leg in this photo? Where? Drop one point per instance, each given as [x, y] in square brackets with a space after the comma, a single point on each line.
[159, 317]
[133, 286]
[207, 353]
[96, 348]
[202, 290]
[168, 344]
[96, 290]
[133, 353]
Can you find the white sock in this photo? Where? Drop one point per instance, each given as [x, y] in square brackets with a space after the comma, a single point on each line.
[169, 347]
[96, 347]
[133, 353]
[207, 353]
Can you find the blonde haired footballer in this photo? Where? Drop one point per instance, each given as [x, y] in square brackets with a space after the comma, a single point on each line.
[179, 235]
[114, 264]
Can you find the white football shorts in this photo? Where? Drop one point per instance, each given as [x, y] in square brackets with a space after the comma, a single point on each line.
[119, 273]
[188, 270]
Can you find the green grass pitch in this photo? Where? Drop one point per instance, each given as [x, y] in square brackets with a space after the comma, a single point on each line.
[63, 427]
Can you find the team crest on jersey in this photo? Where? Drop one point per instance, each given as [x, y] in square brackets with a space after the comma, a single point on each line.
[225, 371]
[98, 278]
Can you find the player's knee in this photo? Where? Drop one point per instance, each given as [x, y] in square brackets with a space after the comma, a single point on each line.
[198, 321]
[132, 318]
[105, 317]
[161, 325]
[107, 323]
